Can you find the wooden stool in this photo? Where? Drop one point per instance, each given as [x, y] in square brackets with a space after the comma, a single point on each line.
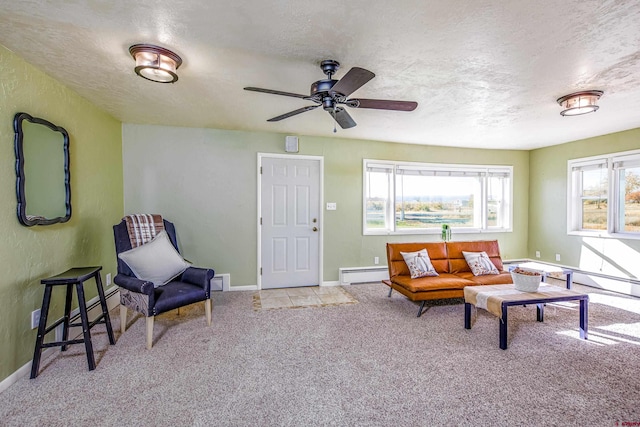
[75, 276]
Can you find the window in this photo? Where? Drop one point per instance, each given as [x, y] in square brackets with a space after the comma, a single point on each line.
[627, 175]
[413, 198]
[591, 183]
[605, 195]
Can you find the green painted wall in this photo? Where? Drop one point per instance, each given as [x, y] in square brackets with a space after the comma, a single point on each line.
[29, 254]
[206, 182]
[548, 210]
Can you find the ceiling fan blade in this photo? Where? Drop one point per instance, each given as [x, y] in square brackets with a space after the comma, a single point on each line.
[276, 92]
[352, 81]
[343, 118]
[293, 113]
[382, 104]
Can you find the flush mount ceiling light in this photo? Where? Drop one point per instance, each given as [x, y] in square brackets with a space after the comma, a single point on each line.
[155, 63]
[580, 102]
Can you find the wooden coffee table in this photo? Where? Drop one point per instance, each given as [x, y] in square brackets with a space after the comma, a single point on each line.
[497, 298]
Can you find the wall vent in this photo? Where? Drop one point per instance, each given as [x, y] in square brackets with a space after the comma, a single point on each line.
[221, 282]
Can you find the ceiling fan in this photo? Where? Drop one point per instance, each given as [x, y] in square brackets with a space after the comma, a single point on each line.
[331, 94]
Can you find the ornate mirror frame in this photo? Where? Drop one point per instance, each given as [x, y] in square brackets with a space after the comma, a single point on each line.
[21, 179]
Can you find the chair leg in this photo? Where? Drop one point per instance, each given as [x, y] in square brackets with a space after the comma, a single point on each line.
[150, 332]
[207, 309]
[123, 318]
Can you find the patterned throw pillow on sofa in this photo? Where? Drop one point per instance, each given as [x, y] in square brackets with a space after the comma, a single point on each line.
[479, 263]
[419, 264]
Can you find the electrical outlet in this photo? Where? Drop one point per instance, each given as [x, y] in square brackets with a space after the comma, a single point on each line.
[108, 278]
[376, 260]
[537, 254]
[557, 257]
[35, 318]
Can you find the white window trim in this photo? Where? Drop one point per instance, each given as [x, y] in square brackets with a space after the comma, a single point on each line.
[612, 196]
[507, 206]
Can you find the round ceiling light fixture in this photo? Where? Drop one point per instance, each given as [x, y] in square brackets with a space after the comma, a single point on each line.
[155, 63]
[579, 103]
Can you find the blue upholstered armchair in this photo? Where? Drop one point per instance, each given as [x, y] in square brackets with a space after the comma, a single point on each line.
[192, 286]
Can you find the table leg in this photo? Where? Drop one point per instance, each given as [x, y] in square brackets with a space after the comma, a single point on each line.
[85, 326]
[584, 318]
[105, 310]
[67, 316]
[42, 326]
[569, 279]
[467, 315]
[503, 327]
[540, 312]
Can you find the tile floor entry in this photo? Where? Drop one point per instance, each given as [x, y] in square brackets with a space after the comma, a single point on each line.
[310, 296]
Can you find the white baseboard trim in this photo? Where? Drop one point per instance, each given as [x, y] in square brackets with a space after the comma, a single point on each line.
[23, 371]
[244, 288]
[608, 283]
[375, 273]
[113, 300]
[333, 283]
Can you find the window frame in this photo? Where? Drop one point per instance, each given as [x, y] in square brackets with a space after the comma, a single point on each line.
[485, 172]
[615, 195]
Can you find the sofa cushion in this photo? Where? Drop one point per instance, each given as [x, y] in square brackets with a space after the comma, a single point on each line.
[504, 278]
[431, 283]
[419, 264]
[479, 263]
[457, 262]
[397, 266]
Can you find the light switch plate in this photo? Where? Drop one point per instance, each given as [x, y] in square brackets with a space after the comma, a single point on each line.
[331, 206]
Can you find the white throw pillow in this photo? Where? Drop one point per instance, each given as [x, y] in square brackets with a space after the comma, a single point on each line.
[156, 261]
[419, 263]
[479, 263]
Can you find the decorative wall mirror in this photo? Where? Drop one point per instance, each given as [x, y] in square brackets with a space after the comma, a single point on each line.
[42, 171]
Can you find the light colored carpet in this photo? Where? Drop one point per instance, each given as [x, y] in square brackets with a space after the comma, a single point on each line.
[367, 364]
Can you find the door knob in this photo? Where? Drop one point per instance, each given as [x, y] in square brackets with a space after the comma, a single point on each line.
[315, 228]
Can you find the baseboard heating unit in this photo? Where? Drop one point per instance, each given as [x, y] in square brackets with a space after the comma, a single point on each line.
[352, 275]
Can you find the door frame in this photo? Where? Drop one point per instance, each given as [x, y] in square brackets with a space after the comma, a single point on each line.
[320, 214]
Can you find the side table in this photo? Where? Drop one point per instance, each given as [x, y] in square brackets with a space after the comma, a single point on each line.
[546, 269]
[74, 276]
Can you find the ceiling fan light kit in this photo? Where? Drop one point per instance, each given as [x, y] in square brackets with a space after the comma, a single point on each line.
[579, 103]
[155, 63]
[331, 94]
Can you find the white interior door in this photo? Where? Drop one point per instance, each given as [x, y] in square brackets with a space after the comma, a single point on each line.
[290, 222]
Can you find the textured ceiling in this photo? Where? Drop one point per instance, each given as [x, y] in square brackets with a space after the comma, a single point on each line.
[485, 73]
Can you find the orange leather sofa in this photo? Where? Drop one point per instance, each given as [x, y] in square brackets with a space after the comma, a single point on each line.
[453, 271]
